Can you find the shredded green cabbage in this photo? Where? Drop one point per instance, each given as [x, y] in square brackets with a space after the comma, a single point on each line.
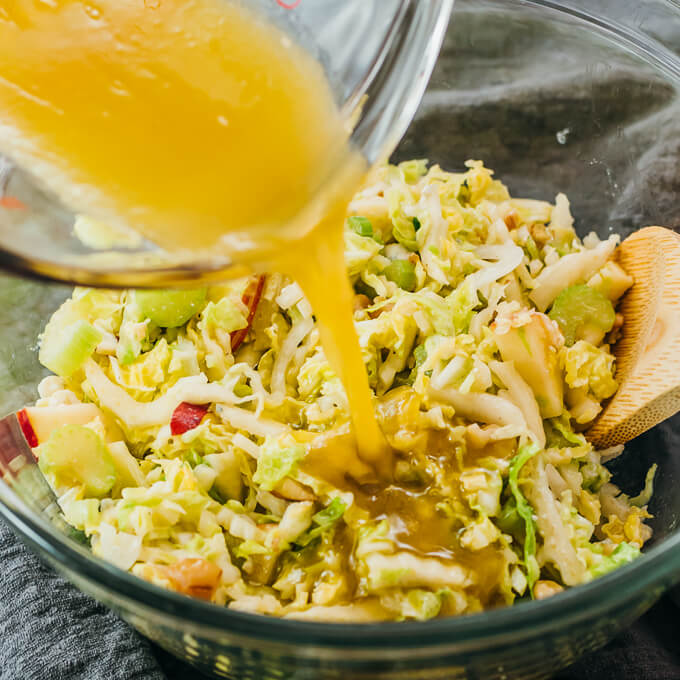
[525, 511]
[623, 554]
[229, 470]
[323, 521]
[276, 460]
[590, 367]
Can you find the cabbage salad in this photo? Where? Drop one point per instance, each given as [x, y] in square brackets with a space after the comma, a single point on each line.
[201, 440]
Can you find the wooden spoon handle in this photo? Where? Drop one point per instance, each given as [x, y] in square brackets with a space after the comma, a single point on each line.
[648, 354]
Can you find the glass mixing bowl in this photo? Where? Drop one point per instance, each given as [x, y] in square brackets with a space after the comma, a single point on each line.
[377, 56]
[580, 97]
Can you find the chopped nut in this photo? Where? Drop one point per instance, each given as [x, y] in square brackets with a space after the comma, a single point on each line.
[543, 589]
[361, 302]
[616, 332]
[512, 220]
[539, 233]
[384, 308]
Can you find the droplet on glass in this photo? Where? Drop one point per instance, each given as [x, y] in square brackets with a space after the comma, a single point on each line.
[562, 135]
[92, 11]
[117, 87]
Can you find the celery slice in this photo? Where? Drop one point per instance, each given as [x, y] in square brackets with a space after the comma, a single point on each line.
[131, 335]
[403, 273]
[66, 351]
[361, 226]
[581, 311]
[170, 308]
[74, 454]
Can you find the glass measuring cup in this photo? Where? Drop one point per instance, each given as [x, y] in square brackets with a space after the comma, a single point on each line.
[377, 56]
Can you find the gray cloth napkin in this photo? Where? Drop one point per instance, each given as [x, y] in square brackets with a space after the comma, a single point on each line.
[49, 630]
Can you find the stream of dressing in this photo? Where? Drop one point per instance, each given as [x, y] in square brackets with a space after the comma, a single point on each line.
[201, 127]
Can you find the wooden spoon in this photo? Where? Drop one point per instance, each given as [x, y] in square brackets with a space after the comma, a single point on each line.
[648, 354]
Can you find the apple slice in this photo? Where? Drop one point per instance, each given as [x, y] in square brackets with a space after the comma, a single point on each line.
[38, 422]
[27, 429]
[12, 203]
[251, 298]
[187, 416]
